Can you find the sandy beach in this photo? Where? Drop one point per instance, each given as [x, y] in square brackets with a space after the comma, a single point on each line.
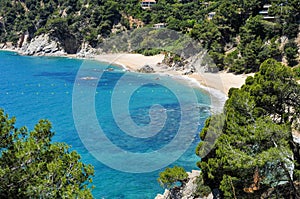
[221, 81]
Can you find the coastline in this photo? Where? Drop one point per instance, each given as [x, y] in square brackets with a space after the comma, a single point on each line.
[216, 85]
[221, 81]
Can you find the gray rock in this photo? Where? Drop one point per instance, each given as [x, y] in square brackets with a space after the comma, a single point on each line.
[86, 51]
[190, 187]
[146, 69]
[191, 70]
[42, 45]
[296, 139]
[185, 192]
[166, 195]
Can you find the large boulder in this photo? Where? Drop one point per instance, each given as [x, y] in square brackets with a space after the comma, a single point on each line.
[42, 45]
[146, 69]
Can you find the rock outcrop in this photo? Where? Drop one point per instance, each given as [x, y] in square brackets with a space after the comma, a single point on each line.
[86, 51]
[166, 195]
[185, 192]
[42, 45]
[23, 39]
[68, 42]
[47, 45]
[7, 45]
[146, 69]
[180, 64]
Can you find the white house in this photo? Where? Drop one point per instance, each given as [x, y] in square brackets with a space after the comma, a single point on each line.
[159, 25]
[265, 13]
[211, 15]
[147, 4]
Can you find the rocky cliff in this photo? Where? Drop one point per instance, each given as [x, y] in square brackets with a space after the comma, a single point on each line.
[187, 191]
[42, 45]
[46, 45]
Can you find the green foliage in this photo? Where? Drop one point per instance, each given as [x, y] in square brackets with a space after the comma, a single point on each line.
[69, 18]
[275, 90]
[149, 52]
[31, 166]
[230, 58]
[209, 134]
[287, 15]
[255, 46]
[271, 50]
[171, 176]
[255, 150]
[228, 19]
[40, 31]
[291, 53]
[207, 32]
[226, 186]
[58, 25]
[235, 24]
[201, 189]
[297, 72]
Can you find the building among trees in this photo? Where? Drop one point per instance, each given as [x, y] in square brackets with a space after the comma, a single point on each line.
[159, 25]
[147, 4]
[265, 13]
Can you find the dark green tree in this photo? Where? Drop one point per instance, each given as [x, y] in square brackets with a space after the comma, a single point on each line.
[201, 189]
[207, 33]
[255, 150]
[291, 53]
[31, 166]
[228, 18]
[287, 16]
[171, 176]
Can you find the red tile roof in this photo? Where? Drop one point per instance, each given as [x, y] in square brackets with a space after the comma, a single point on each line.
[149, 1]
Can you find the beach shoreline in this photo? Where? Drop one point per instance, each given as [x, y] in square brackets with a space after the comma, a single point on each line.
[216, 85]
[221, 81]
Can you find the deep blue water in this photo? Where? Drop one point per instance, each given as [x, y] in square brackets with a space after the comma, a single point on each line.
[32, 88]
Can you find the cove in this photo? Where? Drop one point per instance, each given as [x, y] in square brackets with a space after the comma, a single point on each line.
[32, 88]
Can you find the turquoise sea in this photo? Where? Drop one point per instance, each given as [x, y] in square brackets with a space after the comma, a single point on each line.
[32, 88]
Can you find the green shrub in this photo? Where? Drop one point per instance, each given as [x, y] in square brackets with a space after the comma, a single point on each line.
[171, 176]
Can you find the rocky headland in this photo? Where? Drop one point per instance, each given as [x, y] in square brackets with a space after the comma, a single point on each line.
[47, 45]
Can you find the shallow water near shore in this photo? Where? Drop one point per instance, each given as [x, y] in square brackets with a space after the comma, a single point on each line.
[32, 88]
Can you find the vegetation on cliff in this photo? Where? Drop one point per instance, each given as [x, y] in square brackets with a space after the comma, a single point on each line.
[171, 176]
[236, 34]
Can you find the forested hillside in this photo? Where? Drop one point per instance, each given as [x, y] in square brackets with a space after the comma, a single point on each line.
[238, 35]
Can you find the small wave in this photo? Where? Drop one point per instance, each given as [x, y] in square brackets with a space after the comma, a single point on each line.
[88, 78]
[218, 98]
